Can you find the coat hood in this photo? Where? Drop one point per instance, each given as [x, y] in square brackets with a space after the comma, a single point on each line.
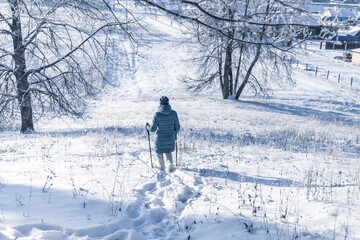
[164, 109]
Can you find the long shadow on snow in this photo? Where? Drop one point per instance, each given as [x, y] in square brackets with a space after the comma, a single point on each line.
[203, 134]
[277, 182]
[341, 106]
[328, 116]
[273, 182]
[125, 131]
[48, 204]
[56, 206]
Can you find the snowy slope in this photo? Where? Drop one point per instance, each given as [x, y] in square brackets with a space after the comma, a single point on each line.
[282, 167]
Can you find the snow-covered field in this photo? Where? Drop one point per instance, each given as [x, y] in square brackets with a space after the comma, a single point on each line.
[282, 167]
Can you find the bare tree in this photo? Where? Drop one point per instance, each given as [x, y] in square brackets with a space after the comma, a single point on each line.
[53, 54]
[241, 42]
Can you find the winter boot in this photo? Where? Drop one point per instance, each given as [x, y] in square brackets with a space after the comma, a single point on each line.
[171, 167]
[161, 161]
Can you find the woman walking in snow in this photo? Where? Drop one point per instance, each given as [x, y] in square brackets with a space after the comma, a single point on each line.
[166, 125]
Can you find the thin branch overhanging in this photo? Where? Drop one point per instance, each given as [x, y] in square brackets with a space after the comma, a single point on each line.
[73, 50]
[119, 22]
[3, 18]
[7, 32]
[196, 20]
[197, 5]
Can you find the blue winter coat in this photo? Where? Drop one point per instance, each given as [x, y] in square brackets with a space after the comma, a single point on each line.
[166, 124]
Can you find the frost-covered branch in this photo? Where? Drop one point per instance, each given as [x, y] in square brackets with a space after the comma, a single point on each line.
[197, 20]
[246, 19]
[55, 54]
[73, 50]
[240, 33]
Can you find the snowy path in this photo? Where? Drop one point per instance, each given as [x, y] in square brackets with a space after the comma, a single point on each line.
[283, 167]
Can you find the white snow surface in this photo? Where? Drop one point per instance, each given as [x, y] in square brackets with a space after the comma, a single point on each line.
[282, 167]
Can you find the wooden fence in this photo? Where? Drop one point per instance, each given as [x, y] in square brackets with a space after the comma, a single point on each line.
[342, 45]
[316, 70]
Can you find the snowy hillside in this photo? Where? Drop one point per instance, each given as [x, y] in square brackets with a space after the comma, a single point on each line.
[282, 167]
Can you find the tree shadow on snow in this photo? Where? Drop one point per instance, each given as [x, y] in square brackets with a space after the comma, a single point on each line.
[267, 181]
[328, 116]
[125, 131]
[47, 209]
[238, 177]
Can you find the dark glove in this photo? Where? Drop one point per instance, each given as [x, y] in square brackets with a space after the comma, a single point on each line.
[147, 126]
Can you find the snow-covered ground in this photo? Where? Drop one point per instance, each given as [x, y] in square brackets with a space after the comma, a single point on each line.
[282, 167]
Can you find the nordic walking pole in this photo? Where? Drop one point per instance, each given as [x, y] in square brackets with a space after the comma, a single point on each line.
[176, 151]
[147, 124]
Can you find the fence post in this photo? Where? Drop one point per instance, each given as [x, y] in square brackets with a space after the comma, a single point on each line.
[316, 71]
[351, 83]
[339, 78]
[327, 77]
[306, 66]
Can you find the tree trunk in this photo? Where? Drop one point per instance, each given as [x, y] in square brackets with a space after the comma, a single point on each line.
[227, 72]
[221, 78]
[23, 91]
[239, 66]
[248, 73]
[257, 56]
[226, 75]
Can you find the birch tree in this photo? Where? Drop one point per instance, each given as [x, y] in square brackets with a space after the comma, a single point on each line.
[52, 55]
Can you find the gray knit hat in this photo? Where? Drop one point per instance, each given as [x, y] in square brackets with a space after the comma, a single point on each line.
[164, 100]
